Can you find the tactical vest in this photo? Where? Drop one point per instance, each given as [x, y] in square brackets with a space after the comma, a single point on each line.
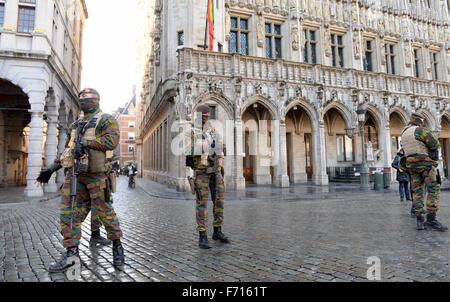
[411, 145]
[203, 145]
[97, 159]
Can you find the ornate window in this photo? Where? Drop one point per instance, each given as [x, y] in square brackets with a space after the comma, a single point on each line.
[273, 40]
[310, 47]
[26, 16]
[239, 35]
[434, 65]
[368, 55]
[416, 62]
[2, 14]
[337, 50]
[390, 58]
[180, 38]
[344, 147]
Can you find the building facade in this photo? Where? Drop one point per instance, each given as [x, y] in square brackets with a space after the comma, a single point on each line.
[288, 76]
[126, 117]
[40, 71]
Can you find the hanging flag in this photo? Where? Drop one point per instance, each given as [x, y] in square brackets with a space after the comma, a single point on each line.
[210, 22]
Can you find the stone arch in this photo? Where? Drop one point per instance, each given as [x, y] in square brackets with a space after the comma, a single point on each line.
[429, 119]
[404, 116]
[376, 114]
[445, 117]
[261, 100]
[344, 112]
[218, 98]
[305, 105]
[29, 80]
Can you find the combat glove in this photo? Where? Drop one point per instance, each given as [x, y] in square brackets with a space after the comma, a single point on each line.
[44, 176]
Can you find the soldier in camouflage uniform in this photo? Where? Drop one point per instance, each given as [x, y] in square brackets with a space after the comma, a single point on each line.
[96, 237]
[421, 151]
[101, 134]
[206, 159]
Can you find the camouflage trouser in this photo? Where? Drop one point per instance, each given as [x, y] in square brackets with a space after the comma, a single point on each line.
[424, 180]
[90, 197]
[205, 183]
[96, 223]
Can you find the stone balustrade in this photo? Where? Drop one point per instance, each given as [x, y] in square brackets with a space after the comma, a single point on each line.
[255, 68]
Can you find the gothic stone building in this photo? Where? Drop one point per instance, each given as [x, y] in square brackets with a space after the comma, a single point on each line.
[304, 66]
[40, 72]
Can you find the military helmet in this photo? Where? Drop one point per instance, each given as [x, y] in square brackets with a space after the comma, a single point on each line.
[91, 93]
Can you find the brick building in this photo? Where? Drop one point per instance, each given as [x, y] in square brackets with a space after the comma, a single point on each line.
[126, 118]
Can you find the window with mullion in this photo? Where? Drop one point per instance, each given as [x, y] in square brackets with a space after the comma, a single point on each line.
[434, 65]
[239, 36]
[309, 49]
[26, 19]
[273, 41]
[180, 38]
[337, 50]
[368, 56]
[2, 14]
[416, 62]
[390, 58]
[344, 148]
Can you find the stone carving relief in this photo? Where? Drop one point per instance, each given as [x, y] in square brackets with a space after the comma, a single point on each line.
[295, 39]
[260, 32]
[357, 45]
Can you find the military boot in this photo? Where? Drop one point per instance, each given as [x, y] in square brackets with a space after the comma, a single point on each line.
[118, 253]
[434, 224]
[420, 222]
[66, 262]
[203, 242]
[413, 212]
[96, 238]
[218, 235]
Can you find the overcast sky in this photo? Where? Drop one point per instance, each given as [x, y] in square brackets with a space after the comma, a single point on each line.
[109, 54]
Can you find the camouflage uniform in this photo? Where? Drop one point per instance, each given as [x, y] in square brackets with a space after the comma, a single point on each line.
[208, 181]
[423, 171]
[91, 192]
[205, 155]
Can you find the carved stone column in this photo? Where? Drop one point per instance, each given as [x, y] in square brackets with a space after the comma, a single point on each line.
[34, 162]
[238, 158]
[280, 150]
[320, 158]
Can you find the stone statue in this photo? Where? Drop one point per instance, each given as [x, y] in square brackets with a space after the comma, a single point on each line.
[328, 42]
[369, 151]
[260, 32]
[294, 37]
[408, 55]
[357, 45]
[227, 26]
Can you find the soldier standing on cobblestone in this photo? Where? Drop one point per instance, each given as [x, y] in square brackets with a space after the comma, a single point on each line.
[100, 134]
[206, 156]
[96, 237]
[421, 151]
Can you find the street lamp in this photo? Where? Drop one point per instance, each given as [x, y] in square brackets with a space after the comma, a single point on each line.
[361, 112]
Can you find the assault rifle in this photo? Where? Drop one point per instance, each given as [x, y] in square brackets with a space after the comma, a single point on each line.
[78, 152]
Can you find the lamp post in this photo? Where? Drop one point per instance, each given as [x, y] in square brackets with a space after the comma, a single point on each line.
[361, 112]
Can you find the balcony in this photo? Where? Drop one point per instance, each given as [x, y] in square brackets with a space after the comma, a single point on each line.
[222, 65]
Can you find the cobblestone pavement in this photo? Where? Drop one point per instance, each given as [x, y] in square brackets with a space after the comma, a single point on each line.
[303, 238]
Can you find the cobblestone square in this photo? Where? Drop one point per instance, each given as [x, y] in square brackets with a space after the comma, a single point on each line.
[296, 234]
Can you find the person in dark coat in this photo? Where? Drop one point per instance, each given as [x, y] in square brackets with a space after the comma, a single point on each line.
[403, 177]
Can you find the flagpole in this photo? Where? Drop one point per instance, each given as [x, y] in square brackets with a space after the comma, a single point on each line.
[206, 25]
